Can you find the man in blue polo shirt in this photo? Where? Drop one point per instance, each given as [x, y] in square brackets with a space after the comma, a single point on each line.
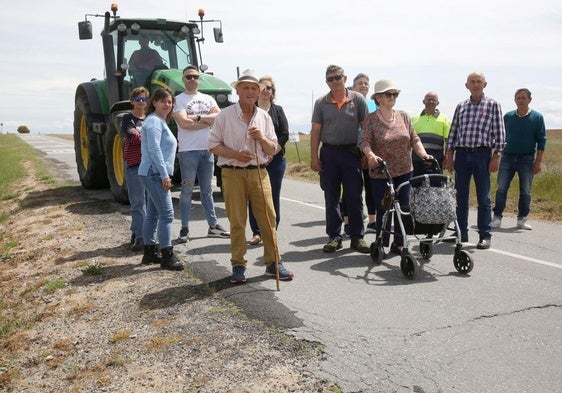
[335, 122]
[525, 135]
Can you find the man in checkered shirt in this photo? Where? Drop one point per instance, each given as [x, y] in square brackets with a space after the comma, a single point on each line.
[474, 148]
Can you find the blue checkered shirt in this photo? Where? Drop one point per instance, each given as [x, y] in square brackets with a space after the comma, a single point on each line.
[477, 125]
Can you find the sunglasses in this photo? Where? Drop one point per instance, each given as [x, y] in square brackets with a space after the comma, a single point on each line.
[190, 77]
[268, 88]
[333, 78]
[391, 95]
[141, 99]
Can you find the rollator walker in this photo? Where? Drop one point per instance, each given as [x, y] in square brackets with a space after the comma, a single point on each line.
[431, 212]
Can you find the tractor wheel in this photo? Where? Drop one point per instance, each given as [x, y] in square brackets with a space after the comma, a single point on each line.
[90, 161]
[115, 165]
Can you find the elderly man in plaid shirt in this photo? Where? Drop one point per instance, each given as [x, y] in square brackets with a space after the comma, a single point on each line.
[474, 148]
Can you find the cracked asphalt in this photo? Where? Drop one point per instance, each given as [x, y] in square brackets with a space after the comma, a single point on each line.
[498, 329]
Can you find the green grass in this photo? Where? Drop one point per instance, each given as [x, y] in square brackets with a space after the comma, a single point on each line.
[93, 270]
[296, 152]
[11, 166]
[53, 285]
[14, 152]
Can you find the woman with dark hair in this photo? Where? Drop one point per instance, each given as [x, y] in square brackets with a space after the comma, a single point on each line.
[277, 164]
[158, 150]
[131, 129]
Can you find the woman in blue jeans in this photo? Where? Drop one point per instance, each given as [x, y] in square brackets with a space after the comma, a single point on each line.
[131, 129]
[276, 167]
[158, 148]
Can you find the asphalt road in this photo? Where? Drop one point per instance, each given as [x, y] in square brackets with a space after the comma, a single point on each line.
[498, 329]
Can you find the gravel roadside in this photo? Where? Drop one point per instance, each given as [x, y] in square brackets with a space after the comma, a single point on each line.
[127, 328]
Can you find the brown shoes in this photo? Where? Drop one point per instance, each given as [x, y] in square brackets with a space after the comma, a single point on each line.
[255, 240]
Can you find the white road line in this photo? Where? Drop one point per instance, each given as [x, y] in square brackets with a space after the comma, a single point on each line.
[528, 259]
[509, 254]
[304, 203]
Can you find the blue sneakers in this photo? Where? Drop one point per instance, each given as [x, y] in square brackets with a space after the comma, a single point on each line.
[238, 276]
[284, 274]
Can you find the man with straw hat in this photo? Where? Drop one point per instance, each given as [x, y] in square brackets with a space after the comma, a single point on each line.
[243, 137]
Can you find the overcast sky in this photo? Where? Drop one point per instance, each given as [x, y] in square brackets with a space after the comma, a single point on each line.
[421, 45]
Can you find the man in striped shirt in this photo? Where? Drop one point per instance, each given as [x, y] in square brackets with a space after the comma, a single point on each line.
[474, 148]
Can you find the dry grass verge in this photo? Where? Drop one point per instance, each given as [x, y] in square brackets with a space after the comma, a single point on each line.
[79, 314]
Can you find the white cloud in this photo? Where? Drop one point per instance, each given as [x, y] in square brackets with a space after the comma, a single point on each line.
[422, 46]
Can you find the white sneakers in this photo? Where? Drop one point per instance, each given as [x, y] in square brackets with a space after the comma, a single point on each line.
[496, 222]
[522, 224]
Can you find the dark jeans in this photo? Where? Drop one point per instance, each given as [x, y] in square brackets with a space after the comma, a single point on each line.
[468, 164]
[509, 166]
[371, 208]
[379, 188]
[276, 171]
[342, 167]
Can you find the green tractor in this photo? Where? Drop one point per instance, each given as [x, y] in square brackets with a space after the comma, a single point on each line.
[101, 103]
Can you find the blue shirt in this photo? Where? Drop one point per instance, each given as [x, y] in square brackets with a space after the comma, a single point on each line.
[158, 147]
[371, 105]
[477, 125]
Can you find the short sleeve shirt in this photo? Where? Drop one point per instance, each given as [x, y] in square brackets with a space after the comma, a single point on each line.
[194, 104]
[340, 125]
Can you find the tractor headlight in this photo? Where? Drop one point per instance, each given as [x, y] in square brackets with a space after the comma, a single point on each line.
[222, 98]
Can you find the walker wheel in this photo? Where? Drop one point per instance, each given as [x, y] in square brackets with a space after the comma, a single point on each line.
[463, 262]
[377, 252]
[409, 266]
[426, 250]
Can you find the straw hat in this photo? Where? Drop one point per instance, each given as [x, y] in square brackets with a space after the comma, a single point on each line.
[248, 76]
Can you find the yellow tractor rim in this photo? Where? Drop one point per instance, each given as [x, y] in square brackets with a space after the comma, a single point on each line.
[84, 145]
[118, 164]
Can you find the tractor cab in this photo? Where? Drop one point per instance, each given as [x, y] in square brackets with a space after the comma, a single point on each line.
[136, 52]
[145, 46]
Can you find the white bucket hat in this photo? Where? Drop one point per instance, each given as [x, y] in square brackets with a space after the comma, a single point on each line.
[383, 86]
[248, 76]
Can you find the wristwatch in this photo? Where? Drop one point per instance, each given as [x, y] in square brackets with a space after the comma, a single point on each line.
[497, 153]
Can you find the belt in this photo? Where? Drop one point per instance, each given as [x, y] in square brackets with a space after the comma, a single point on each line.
[340, 147]
[241, 167]
[480, 149]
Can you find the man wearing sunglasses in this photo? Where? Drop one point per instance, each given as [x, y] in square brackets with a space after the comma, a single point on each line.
[335, 122]
[194, 113]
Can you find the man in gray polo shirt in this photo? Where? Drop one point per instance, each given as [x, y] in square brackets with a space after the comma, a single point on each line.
[335, 122]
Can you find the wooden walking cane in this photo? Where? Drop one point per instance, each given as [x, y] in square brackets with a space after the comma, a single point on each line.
[275, 247]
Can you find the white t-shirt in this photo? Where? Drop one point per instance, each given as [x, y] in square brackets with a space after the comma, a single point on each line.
[194, 104]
